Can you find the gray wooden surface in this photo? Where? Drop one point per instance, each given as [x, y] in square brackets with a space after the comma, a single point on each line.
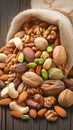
[8, 9]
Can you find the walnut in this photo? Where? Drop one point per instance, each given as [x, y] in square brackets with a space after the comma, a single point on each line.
[49, 101]
[51, 115]
[32, 91]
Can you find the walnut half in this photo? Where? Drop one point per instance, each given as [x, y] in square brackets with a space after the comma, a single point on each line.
[51, 115]
[49, 101]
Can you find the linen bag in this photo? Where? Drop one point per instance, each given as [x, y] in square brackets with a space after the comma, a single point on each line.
[50, 16]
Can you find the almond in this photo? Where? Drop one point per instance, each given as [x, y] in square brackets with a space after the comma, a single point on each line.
[33, 113]
[38, 69]
[42, 112]
[60, 111]
[20, 104]
[38, 54]
[4, 77]
[5, 101]
[16, 114]
[23, 96]
[1, 72]
[56, 43]
[2, 65]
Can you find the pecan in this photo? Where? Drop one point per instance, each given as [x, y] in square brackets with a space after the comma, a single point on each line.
[51, 115]
[49, 101]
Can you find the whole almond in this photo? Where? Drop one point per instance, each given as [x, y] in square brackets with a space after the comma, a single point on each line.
[5, 101]
[23, 96]
[1, 72]
[38, 54]
[2, 65]
[42, 112]
[38, 69]
[16, 114]
[33, 113]
[60, 111]
[4, 77]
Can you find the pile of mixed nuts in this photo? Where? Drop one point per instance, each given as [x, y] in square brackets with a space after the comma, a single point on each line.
[33, 73]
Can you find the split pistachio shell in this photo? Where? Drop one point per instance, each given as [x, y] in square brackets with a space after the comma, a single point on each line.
[3, 57]
[59, 55]
[47, 63]
[41, 43]
[55, 73]
[45, 53]
[18, 43]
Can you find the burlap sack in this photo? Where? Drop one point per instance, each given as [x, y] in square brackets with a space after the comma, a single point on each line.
[53, 17]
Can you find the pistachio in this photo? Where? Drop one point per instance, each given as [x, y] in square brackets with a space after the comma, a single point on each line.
[31, 79]
[28, 54]
[18, 43]
[39, 60]
[47, 63]
[20, 68]
[31, 65]
[45, 53]
[59, 55]
[3, 57]
[55, 73]
[49, 49]
[25, 117]
[44, 74]
[21, 57]
[41, 43]
[2, 84]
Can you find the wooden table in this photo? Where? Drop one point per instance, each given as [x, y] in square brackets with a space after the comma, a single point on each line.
[8, 9]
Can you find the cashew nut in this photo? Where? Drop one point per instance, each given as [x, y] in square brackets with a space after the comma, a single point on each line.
[4, 92]
[14, 106]
[12, 92]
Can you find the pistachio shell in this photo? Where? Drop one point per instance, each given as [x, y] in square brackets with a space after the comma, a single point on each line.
[18, 43]
[41, 43]
[59, 55]
[55, 73]
[47, 63]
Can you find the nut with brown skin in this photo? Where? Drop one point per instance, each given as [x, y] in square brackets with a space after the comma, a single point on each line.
[51, 115]
[42, 112]
[32, 104]
[39, 99]
[49, 101]
[33, 113]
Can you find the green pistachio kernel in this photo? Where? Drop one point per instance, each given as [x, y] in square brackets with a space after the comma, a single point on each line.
[71, 79]
[25, 117]
[39, 60]
[44, 74]
[31, 65]
[49, 48]
[21, 57]
[55, 73]
[43, 57]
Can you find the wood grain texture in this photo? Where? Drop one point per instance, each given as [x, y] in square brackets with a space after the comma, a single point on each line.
[9, 9]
